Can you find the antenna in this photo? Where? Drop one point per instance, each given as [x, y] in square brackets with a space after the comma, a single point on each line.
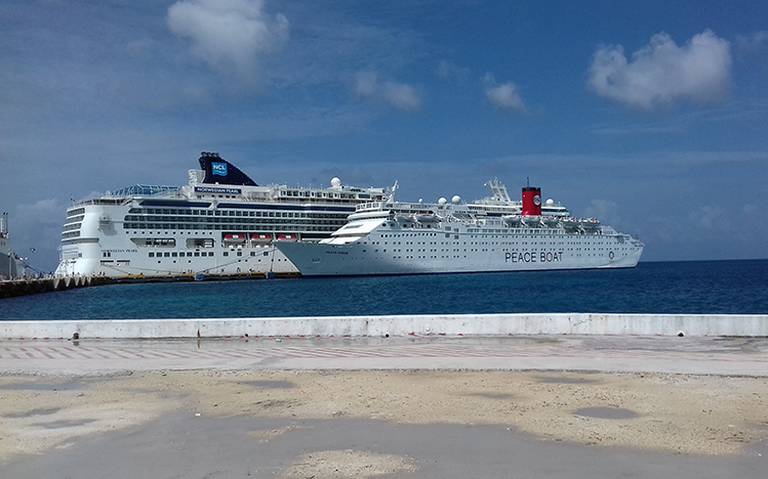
[527, 182]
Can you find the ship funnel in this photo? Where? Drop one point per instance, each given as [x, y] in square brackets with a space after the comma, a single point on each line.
[219, 170]
[531, 201]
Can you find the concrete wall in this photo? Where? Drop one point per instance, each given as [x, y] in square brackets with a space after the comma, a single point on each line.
[451, 325]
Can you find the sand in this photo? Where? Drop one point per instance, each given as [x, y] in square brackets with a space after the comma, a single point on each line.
[347, 464]
[683, 414]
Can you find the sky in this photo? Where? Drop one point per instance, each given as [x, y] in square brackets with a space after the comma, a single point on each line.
[652, 116]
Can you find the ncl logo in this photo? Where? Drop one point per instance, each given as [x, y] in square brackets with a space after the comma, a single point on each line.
[219, 169]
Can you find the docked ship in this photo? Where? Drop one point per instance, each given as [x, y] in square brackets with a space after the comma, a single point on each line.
[11, 265]
[220, 223]
[496, 234]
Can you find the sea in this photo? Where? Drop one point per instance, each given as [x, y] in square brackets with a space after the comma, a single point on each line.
[733, 287]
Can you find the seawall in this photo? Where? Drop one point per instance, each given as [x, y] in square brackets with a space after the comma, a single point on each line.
[401, 325]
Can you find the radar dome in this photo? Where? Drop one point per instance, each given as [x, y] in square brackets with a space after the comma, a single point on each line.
[456, 199]
[336, 182]
[442, 201]
[550, 202]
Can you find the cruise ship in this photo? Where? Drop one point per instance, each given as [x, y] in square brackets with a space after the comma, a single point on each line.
[11, 266]
[220, 223]
[496, 234]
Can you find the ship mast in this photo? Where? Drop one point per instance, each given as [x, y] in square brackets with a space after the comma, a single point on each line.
[499, 190]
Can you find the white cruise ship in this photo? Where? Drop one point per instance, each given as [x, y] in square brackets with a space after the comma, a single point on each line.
[219, 223]
[496, 234]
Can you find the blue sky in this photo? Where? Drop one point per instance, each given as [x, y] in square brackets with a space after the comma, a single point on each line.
[650, 115]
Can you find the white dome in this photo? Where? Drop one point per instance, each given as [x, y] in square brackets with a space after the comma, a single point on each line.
[335, 182]
[456, 199]
[442, 201]
[550, 202]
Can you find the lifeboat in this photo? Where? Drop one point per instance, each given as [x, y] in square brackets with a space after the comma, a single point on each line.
[234, 238]
[287, 237]
[570, 224]
[261, 238]
[550, 221]
[589, 223]
[426, 218]
[512, 220]
[532, 221]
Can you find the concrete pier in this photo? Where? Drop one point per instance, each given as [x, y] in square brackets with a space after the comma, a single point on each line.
[699, 325]
[22, 287]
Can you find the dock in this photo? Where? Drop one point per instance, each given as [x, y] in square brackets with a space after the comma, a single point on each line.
[23, 287]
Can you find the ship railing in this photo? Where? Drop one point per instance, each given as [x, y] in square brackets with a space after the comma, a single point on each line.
[98, 201]
[372, 205]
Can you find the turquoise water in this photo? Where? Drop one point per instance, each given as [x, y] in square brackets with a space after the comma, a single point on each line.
[664, 287]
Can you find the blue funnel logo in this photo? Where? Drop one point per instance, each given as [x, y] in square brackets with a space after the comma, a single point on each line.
[219, 169]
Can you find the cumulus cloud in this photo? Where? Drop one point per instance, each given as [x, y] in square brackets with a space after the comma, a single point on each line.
[229, 34]
[399, 95]
[502, 95]
[663, 72]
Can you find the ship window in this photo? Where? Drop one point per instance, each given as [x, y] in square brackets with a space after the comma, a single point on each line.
[226, 253]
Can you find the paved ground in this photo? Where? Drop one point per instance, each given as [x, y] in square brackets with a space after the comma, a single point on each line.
[188, 447]
[355, 408]
[726, 356]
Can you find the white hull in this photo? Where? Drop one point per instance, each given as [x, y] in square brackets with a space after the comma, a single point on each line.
[548, 252]
[107, 249]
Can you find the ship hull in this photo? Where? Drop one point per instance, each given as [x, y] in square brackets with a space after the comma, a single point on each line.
[357, 259]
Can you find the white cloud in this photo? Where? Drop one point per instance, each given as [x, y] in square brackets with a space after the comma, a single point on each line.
[366, 83]
[604, 210]
[711, 217]
[229, 34]
[399, 95]
[504, 96]
[447, 70]
[753, 41]
[663, 72]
